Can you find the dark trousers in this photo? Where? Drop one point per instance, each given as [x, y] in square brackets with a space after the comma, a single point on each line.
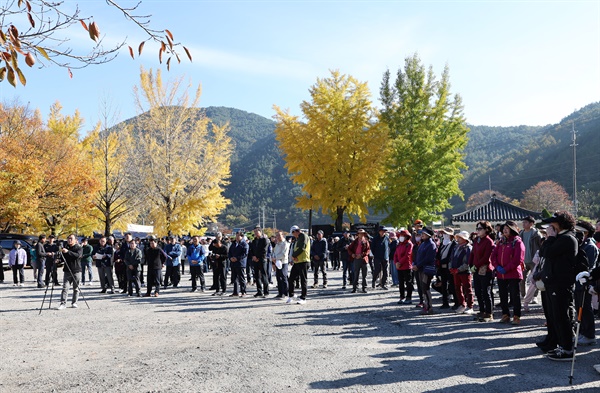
[282, 280]
[447, 288]
[40, 273]
[559, 319]
[238, 276]
[510, 287]
[51, 272]
[405, 284]
[380, 266]
[484, 291]
[18, 273]
[173, 274]
[197, 272]
[133, 280]
[588, 326]
[425, 285]
[359, 266]
[219, 271]
[121, 273]
[415, 278]
[320, 266]
[347, 275]
[299, 270]
[262, 280]
[153, 280]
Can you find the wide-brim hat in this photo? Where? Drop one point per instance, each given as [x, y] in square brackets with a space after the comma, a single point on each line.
[393, 235]
[361, 232]
[404, 232]
[464, 235]
[448, 231]
[512, 226]
[427, 231]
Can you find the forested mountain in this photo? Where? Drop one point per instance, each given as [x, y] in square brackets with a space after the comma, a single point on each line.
[513, 158]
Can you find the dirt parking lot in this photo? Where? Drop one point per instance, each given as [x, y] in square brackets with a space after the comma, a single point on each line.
[337, 341]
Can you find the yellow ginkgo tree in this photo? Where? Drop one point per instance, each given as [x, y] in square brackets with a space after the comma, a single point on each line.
[336, 153]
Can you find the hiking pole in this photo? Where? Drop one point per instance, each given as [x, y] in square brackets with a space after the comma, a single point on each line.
[579, 312]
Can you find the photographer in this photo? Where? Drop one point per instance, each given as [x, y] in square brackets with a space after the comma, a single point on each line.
[71, 252]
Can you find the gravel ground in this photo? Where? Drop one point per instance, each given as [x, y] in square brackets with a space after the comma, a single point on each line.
[337, 341]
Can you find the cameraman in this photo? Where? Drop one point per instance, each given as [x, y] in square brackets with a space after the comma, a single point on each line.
[71, 253]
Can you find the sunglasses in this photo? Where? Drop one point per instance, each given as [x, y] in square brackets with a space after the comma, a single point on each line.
[480, 229]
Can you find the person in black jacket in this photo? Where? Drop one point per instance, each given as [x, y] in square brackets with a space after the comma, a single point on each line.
[51, 249]
[342, 246]
[133, 261]
[259, 248]
[559, 252]
[219, 258]
[71, 253]
[155, 260]
[103, 255]
[40, 252]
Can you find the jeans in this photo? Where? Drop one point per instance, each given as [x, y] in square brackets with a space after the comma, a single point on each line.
[18, 270]
[88, 266]
[359, 266]
[380, 267]
[347, 272]
[282, 280]
[40, 273]
[69, 279]
[506, 287]
[299, 270]
[484, 292]
[320, 266]
[394, 274]
[238, 276]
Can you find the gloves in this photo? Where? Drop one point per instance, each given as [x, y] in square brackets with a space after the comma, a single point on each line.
[473, 269]
[501, 270]
[583, 277]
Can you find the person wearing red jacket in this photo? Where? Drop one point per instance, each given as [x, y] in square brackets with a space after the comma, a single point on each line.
[483, 275]
[507, 258]
[359, 252]
[403, 264]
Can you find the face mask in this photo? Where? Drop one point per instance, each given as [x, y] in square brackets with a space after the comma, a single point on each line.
[419, 238]
[402, 238]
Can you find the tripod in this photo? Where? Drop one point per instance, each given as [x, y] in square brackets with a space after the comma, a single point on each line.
[76, 286]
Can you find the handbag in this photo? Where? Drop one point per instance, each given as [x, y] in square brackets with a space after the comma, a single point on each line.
[429, 270]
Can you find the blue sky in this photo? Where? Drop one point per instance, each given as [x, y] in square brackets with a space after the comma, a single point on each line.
[513, 62]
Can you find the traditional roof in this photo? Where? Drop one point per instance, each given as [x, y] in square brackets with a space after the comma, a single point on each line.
[495, 211]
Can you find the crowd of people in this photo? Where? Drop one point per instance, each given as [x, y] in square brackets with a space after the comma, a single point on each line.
[557, 263]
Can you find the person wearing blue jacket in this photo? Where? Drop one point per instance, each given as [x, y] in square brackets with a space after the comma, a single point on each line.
[173, 251]
[380, 247]
[196, 256]
[238, 254]
[424, 266]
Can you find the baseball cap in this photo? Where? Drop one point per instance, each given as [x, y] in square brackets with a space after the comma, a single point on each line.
[294, 228]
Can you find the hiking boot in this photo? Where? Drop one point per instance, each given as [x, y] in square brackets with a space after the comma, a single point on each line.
[505, 318]
[516, 320]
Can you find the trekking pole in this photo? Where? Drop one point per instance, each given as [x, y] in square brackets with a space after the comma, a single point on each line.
[579, 312]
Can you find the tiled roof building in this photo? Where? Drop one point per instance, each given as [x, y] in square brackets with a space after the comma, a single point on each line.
[495, 211]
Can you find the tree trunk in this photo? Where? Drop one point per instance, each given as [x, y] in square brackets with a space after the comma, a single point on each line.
[339, 219]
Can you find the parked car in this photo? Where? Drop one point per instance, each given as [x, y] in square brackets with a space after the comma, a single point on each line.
[6, 242]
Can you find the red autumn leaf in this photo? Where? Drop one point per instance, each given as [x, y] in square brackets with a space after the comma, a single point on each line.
[31, 20]
[140, 48]
[84, 25]
[187, 52]
[169, 34]
[131, 52]
[30, 59]
[70, 73]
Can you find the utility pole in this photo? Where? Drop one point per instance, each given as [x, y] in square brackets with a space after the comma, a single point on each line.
[490, 184]
[274, 220]
[574, 145]
[263, 216]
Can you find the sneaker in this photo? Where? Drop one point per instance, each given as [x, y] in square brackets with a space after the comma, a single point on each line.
[324, 286]
[534, 301]
[289, 300]
[344, 287]
[505, 318]
[468, 311]
[193, 290]
[486, 318]
[460, 309]
[364, 290]
[583, 340]
[384, 288]
[420, 305]
[315, 285]
[62, 306]
[407, 301]
[353, 290]
[243, 295]
[233, 295]
[516, 320]
[560, 355]
[455, 307]
[74, 305]
[301, 301]
[526, 308]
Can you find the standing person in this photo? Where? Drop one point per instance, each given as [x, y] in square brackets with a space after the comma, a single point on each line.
[393, 245]
[587, 330]
[51, 249]
[359, 251]
[155, 259]
[318, 254]
[342, 246]
[211, 246]
[173, 251]
[380, 247]
[40, 251]
[133, 261]
[459, 266]
[416, 241]
[142, 247]
[507, 259]
[183, 256]
[103, 255]
[532, 241]
[483, 280]
[260, 247]
[119, 264]
[444, 256]
[280, 261]
[238, 254]
[86, 261]
[424, 266]
[403, 264]
[197, 258]
[300, 262]
[219, 258]
[334, 254]
[559, 251]
[72, 271]
[34, 264]
[17, 259]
